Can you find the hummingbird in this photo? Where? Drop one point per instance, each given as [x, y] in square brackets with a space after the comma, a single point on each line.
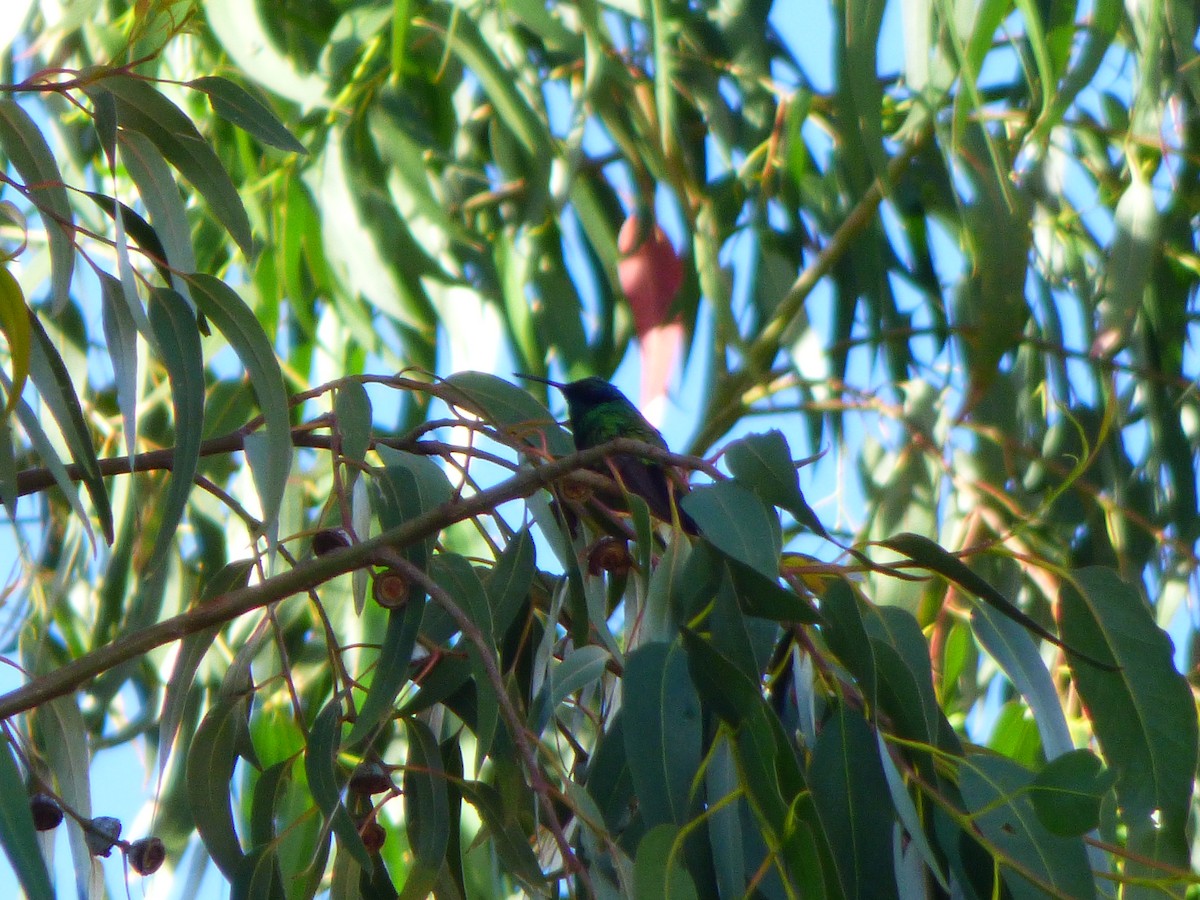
[599, 413]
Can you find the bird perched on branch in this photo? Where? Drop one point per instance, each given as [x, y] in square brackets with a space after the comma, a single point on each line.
[600, 413]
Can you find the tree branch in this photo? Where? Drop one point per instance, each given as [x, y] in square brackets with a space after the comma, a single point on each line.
[310, 574]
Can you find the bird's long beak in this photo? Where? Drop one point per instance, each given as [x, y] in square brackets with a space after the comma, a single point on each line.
[557, 384]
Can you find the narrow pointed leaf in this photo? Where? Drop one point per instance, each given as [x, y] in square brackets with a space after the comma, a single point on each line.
[174, 327]
[210, 763]
[737, 523]
[427, 811]
[1142, 710]
[234, 319]
[14, 324]
[27, 150]
[50, 376]
[326, 782]
[662, 732]
[17, 834]
[928, 554]
[237, 105]
[141, 108]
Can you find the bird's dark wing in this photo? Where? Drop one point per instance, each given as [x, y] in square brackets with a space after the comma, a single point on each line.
[649, 481]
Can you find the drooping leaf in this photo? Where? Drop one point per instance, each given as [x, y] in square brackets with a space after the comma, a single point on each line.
[14, 324]
[658, 870]
[49, 374]
[1068, 791]
[235, 104]
[391, 669]
[1141, 708]
[427, 812]
[210, 761]
[326, 782]
[928, 554]
[142, 108]
[763, 462]
[855, 808]
[27, 150]
[239, 326]
[662, 732]
[738, 524]
[511, 408]
[174, 328]
[995, 791]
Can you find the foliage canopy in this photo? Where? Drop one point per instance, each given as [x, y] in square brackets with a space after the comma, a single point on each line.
[373, 634]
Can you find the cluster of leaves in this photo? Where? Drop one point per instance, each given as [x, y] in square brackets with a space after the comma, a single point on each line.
[671, 717]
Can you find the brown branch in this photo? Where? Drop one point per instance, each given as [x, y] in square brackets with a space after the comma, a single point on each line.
[311, 574]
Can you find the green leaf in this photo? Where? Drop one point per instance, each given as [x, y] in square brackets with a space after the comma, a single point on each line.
[721, 684]
[854, 804]
[9, 488]
[508, 583]
[17, 834]
[579, 669]
[14, 324]
[1067, 793]
[269, 789]
[408, 486]
[845, 631]
[1130, 259]
[258, 876]
[325, 781]
[391, 670]
[766, 598]
[662, 732]
[512, 409]
[49, 374]
[49, 458]
[175, 332]
[929, 555]
[237, 323]
[160, 193]
[737, 523]
[235, 104]
[763, 463]
[504, 831]
[143, 109]
[120, 334]
[1014, 650]
[994, 790]
[27, 150]
[192, 649]
[1143, 714]
[62, 736]
[427, 811]
[658, 871]
[210, 762]
[458, 578]
[352, 408]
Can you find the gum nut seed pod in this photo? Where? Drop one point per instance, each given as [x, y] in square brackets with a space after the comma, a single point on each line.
[390, 589]
[47, 814]
[146, 855]
[101, 833]
[329, 539]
